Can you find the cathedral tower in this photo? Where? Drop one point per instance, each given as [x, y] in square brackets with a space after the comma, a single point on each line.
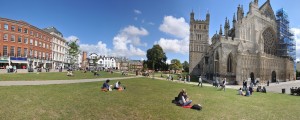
[198, 42]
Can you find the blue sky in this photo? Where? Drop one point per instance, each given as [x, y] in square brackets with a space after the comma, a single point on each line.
[130, 27]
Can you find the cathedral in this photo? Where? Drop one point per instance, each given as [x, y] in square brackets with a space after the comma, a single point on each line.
[245, 51]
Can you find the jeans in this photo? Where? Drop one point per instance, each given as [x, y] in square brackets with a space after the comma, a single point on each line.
[187, 103]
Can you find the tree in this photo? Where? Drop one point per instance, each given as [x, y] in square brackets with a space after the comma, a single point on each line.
[185, 66]
[73, 52]
[145, 66]
[175, 64]
[156, 58]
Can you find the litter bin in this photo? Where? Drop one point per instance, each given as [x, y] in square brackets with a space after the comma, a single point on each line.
[283, 90]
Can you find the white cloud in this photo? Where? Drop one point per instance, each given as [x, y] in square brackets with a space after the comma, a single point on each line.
[174, 45]
[72, 38]
[175, 26]
[126, 42]
[168, 61]
[135, 18]
[296, 32]
[100, 48]
[137, 11]
[179, 28]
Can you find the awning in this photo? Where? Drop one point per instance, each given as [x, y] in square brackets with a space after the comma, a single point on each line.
[3, 61]
[19, 61]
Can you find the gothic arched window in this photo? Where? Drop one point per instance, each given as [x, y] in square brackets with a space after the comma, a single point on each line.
[269, 37]
[229, 63]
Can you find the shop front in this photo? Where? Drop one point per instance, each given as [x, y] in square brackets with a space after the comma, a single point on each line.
[20, 63]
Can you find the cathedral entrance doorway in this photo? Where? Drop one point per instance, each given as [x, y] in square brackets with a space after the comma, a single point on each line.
[273, 76]
[252, 77]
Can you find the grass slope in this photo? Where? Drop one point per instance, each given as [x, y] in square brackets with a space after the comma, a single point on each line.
[143, 99]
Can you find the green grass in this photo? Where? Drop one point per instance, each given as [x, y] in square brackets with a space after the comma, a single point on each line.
[55, 76]
[143, 99]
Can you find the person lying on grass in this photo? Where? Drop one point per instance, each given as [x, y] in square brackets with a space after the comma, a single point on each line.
[105, 87]
[183, 98]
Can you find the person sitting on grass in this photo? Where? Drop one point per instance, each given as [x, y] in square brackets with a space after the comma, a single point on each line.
[118, 86]
[105, 87]
[240, 92]
[247, 92]
[183, 98]
[96, 73]
[70, 73]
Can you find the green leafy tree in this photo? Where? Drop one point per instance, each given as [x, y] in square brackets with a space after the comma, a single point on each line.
[156, 58]
[185, 66]
[73, 52]
[175, 64]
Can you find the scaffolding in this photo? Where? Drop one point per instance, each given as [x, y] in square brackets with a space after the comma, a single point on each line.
[286, 44]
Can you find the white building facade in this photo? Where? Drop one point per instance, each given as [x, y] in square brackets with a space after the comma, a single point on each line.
[59, 48]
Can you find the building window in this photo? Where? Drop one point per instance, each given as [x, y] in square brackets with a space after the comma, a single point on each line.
[31, 32]
[19, 52]
[30, 52]
[19, 39]
[4, 50]
[5, 37]
[229, 63]
[35, 53]
[31, 42]
[40, 54]
[12, 50]
[25, 30]
[26, 40]
[37, 35]
[0, 26]
[19, 29]
[35, 43]
[43, 45]
[13, 28]
[47, 46]
[5, 26]
[25, 52]
[40, 44]
[12, 38]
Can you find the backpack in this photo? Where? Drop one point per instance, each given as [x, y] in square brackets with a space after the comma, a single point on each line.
[196, 107]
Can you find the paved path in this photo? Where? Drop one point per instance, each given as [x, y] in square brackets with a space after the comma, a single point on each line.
[49, 82]
[277, 88]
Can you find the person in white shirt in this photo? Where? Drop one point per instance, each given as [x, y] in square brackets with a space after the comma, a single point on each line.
[200, 81]
[224, 84]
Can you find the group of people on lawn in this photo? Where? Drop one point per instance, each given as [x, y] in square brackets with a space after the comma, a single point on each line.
[117, 86]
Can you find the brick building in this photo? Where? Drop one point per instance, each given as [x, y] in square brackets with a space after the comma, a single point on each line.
[24, 45]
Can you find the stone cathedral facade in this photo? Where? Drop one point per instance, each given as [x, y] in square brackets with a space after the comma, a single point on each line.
[245, 51]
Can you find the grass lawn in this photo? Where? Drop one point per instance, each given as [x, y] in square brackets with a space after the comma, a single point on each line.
[55, 76]
[143, 99]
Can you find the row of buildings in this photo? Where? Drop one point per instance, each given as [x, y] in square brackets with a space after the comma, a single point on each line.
[108, 62]
[24, 45]
[257, 46]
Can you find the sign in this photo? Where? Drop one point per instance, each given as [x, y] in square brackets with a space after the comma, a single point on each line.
[18, 58]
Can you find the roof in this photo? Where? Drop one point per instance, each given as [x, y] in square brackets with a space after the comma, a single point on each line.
[54, 30]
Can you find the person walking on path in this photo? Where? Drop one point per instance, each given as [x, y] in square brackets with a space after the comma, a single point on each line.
[200, 81]
[189, 78]
[224, 84]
